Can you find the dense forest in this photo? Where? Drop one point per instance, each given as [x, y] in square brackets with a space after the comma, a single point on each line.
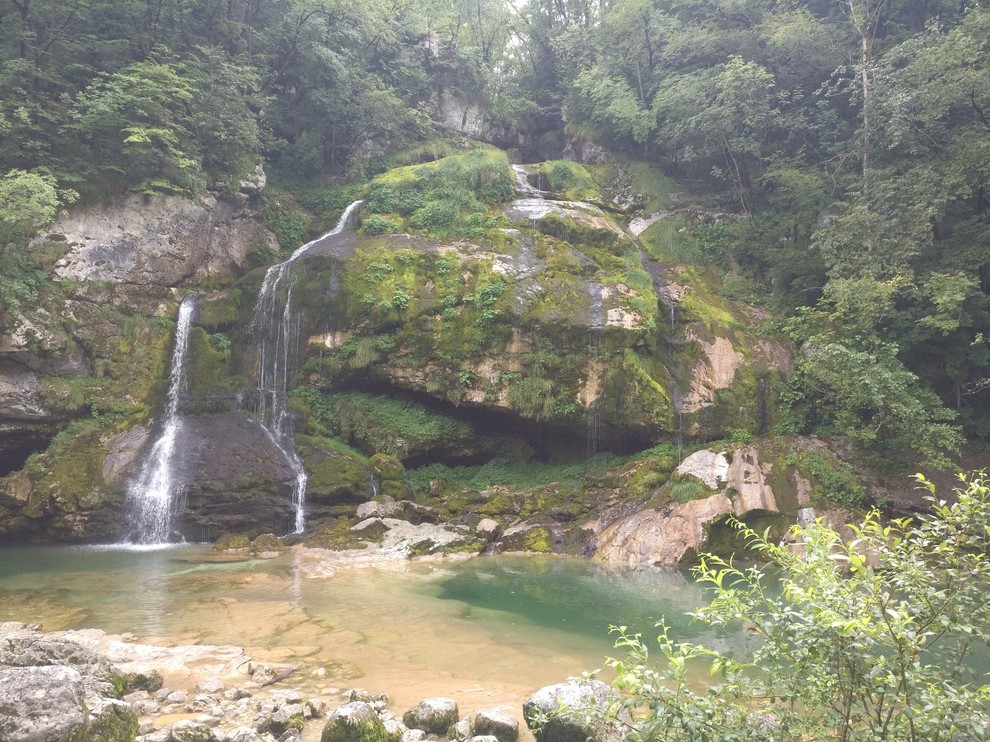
[850, 140]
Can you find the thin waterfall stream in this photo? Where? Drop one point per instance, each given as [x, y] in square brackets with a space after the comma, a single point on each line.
[154, 495]
[276, 326]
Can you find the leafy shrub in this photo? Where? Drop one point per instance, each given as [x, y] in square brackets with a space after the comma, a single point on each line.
[435, 216]
[376, 224]
[848, 652]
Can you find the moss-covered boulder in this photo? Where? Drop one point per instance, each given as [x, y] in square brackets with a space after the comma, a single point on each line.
[432, 715]
[354, 722]
[267, 545]
[232, 542]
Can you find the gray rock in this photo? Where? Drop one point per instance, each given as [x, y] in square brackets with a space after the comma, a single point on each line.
[461, 731]
[283, 697]
[210, 685]
[190, 731]
[394, 729]
[176, 696]
[354, 722]
[236, 694]
[208, 719]
[373, 509]
[243, 734]
[54, 689]
[496, 724]
[554, 712]
[378, 701]
[487, 528]
[432, 715]
[314, 708]
[484, 738]
[413, 735]
[289, 716]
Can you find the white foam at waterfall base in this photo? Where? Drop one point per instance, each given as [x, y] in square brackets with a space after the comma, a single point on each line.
[153, 494]
[276, 327]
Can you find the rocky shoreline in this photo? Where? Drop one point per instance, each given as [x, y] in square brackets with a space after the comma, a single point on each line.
[89, 686]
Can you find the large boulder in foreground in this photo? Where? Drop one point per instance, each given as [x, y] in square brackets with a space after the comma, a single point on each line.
[55, 689]
[556, 713]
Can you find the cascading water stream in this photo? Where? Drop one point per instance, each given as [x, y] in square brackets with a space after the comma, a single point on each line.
[675, 394]
[276, 327]
[155, 492]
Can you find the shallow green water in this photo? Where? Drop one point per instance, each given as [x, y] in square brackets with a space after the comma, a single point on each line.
[487, 628]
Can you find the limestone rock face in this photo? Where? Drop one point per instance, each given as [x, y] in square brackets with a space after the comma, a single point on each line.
[56, 689]
[553, 712]
[162, 240]
[237, 480]
[661, 537]
[710, 467]
[670, 534]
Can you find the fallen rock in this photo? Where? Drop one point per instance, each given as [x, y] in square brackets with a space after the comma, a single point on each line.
[432, 715]
[557, 713]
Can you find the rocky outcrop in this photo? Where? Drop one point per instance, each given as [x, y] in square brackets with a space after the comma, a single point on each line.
[661, 536]
[675, 531]
[159, 240]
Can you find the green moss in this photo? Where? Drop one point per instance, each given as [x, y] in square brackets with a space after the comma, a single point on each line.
[266, 542]
[212, 383]
[687, 489]
[381, 424]
[232, 541]
[447, 197]
[140, 681]
[358, 727]
[567, 178]
[117, 723]
[335, 535]
[296, 721]
[831, 479]
[577, 232]
[538, 540]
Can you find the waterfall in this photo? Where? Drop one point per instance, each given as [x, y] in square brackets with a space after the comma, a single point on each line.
[276, 327]
[153, 495]
[675, 392]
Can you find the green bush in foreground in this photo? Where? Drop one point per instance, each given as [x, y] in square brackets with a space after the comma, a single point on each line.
[867, 640]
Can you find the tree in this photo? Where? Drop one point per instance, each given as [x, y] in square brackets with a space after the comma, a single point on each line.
[865, 638]
[29, 201]
[140, 117]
